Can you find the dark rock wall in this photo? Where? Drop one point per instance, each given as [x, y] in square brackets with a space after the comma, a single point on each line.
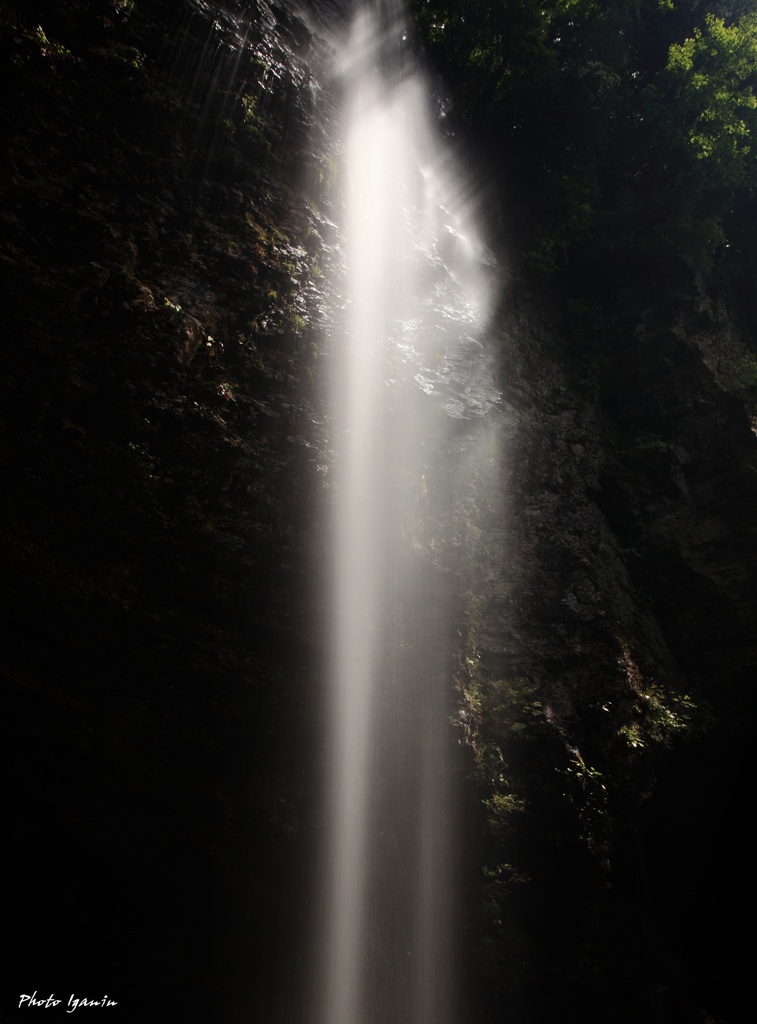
[163, 226]
[609, 693]
[167, 205]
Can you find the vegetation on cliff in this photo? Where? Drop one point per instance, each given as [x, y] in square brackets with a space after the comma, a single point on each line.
[626, 129]
[159, 256]
[622, 138]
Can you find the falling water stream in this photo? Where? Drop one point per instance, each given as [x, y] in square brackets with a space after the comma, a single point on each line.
[410, 375]
[411, 384]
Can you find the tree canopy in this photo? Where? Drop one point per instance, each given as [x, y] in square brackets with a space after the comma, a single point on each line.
[619, 126]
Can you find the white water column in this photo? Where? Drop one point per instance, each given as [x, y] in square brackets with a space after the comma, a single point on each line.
[387, 927]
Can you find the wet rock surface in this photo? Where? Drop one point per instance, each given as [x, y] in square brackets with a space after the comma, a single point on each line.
[159, 284]
[616, 607]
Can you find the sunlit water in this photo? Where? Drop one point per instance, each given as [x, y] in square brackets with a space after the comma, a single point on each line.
[409, 374]
[412, 385]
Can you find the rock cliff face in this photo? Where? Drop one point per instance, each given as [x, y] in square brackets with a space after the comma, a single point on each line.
[168, 203]
[163, 225]
[621, 617]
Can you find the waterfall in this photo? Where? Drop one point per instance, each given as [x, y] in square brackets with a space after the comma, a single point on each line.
[409, 376]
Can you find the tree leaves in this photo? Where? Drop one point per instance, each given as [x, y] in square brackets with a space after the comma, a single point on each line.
[715, 76]
[610, 124]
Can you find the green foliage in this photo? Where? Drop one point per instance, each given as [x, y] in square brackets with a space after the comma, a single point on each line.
[255, 134]
[741, 375]
[662, 716]
[51, 48]
[508, 948]
[499, 718]
[625, 131]
[651, 443]
[715, 76]
[326, 174]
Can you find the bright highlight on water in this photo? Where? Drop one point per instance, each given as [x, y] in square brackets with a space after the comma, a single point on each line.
[410, 374]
